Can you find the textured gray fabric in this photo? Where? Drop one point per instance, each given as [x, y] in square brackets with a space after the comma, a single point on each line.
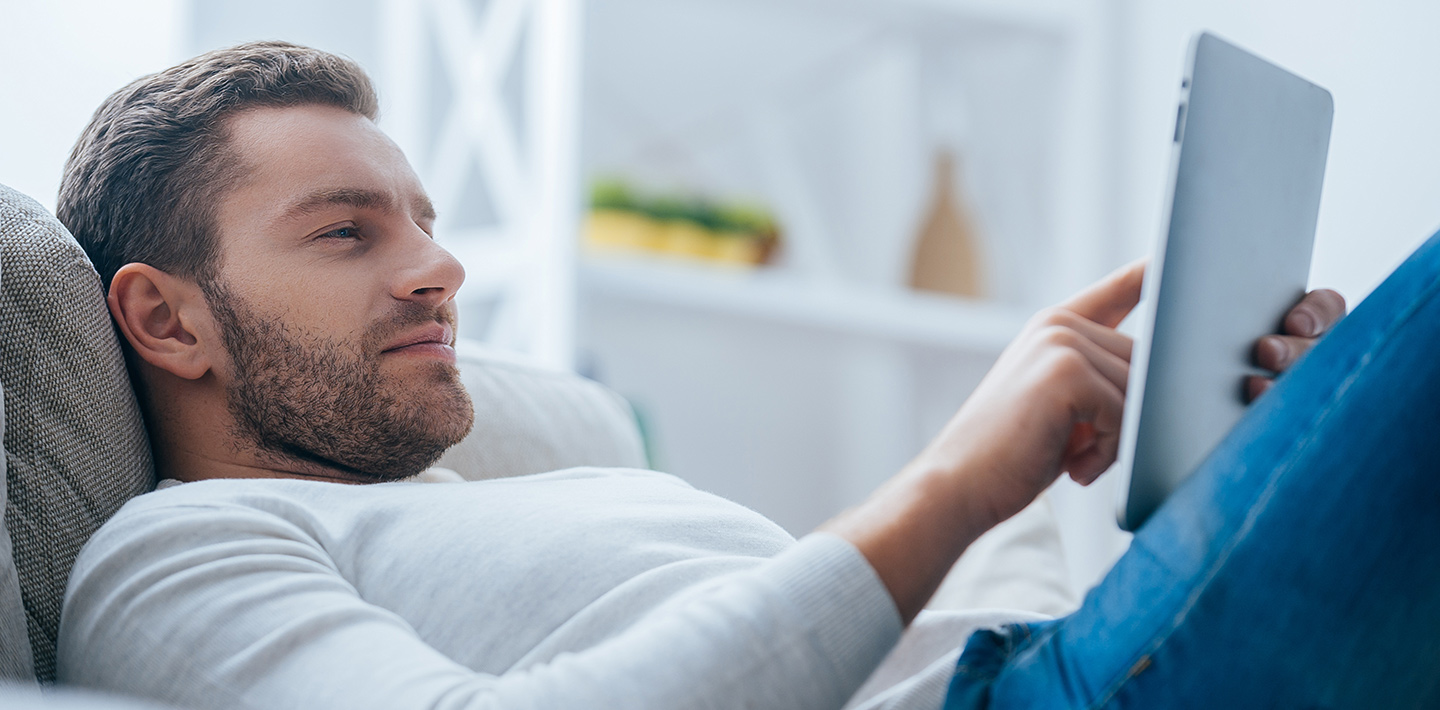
[16, 662]
[529, 419]
[75, 446]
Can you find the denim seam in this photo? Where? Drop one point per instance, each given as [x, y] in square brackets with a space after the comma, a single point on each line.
[1032, 645]
[1300, 448]
[1026, 645]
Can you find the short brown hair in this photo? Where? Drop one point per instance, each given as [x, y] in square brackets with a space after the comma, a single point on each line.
[142, 181]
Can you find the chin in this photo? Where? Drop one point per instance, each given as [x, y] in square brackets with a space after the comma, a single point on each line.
[443, 406]
[457, 414]
[428, 415]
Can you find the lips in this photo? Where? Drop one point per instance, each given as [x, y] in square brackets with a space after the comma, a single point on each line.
[433, 334]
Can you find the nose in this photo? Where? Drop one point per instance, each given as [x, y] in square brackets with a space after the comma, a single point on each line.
[430, 275]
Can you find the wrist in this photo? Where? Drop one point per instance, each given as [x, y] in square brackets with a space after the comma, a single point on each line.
[913, 529]
[978, 485]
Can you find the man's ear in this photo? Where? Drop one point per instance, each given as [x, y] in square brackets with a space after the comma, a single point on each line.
[158, 314]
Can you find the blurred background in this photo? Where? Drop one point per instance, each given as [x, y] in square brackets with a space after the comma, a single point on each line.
[731, 211]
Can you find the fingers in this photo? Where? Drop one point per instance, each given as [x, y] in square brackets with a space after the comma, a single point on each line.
[1255, 386]
[1109, 365]
[1278, 352]
[1109, 300]
[1106, 337]
[1095, 441]
[1314, 314]
[1311, 318]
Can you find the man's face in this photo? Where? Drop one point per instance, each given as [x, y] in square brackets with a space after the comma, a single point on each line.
[333, 302]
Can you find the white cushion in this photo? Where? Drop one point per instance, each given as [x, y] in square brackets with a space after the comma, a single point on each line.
[532, 419]
[1019, 564]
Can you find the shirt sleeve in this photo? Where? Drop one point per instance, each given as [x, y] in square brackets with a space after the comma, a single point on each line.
[234, 608]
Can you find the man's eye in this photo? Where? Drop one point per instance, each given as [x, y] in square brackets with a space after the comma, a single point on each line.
[343, 233]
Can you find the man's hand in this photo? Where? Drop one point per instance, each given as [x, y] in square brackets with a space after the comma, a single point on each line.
[1311, 318]
[1051, 404]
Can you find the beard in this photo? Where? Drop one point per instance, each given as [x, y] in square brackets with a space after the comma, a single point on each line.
[299, 397]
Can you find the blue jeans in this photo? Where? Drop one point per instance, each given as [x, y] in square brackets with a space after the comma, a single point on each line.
[1298, 568]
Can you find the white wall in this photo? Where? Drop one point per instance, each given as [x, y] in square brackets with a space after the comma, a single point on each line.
[58, 61]
[1381, 62]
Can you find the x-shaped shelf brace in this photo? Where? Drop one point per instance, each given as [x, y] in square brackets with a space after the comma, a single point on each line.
[524, 258]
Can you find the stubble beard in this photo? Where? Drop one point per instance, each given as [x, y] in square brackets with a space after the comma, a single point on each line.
[304, 401]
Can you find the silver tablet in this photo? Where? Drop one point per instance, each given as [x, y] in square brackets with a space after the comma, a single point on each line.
[1249, 159]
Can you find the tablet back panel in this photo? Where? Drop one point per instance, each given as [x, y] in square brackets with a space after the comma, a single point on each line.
[1251, 142]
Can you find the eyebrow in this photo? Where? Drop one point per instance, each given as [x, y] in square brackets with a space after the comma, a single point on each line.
[358, 198]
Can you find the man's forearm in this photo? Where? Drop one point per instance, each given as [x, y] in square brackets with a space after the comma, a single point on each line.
[913, 529]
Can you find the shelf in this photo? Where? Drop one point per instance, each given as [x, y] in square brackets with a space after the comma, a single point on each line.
[1050, 16]
[895, 315]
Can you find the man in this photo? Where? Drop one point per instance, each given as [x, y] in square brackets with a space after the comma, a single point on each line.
[289, 320]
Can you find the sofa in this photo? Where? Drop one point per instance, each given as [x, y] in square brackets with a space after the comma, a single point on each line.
[76, 447]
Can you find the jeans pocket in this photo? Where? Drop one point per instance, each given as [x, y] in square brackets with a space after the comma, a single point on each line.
[985, 655]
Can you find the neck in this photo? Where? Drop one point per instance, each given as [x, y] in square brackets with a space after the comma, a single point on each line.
[194, 437]
[191, 464]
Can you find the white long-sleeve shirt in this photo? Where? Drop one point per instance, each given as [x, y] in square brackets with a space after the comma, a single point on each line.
[584, 588]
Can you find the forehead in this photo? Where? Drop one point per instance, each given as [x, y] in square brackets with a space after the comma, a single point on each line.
[287, 155]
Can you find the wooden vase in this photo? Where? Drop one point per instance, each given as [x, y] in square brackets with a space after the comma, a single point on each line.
[946, 257]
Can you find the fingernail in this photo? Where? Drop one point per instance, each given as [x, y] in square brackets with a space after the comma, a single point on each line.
[1306, 324]
[1279, 351]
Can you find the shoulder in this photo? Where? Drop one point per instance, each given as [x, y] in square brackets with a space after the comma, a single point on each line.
[189, 523]
[180, 512]
[199, 551]
[179, 518]
[177, 530]
[177, 526]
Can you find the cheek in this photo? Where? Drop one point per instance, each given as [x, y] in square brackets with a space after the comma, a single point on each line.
[341, 309]
[335, 296]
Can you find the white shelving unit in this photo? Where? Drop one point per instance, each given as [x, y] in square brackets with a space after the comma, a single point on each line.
[798, 387]
[1056, 16]
[481, 96]
[898, 316]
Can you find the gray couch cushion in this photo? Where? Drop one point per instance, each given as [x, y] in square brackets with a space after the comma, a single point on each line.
[75, 446]
[530, 419]
[16, 662]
